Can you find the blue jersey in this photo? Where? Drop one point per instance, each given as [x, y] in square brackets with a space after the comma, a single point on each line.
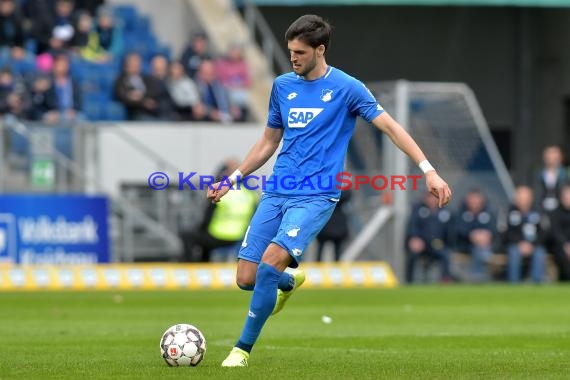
[319, 118]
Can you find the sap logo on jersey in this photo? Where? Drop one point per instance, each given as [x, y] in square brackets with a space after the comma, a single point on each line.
[301, 117]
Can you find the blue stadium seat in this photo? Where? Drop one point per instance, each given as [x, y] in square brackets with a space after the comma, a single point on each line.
[115, 111]
[143, 25]
[107, 77]
[128, 16]
[31, 45]
[22, 68]
[93, 111]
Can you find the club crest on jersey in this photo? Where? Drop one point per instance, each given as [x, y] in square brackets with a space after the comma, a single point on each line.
[301, 117]
[326, 95]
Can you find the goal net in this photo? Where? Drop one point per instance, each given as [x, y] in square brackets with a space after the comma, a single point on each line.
[448, 124]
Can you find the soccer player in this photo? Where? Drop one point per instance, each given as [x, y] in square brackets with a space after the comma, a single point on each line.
[313, 110]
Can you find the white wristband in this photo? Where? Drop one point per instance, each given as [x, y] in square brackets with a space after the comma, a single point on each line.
[237, 174]
[425, 166]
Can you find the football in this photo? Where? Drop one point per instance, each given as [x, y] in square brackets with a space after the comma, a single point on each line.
[182, 345]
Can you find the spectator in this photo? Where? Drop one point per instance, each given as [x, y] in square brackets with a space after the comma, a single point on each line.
[159, 88]
[195, 53]
[551, 177]
[233, 72]
[11, 26]
[336, 230]
[40, 15]
[224, 223]
[65, 94]
[214, 95]
[65, 20]
[523, 237]
[39, 99]
[184, 94]
[560, 224]
[13, 99]
[428, 236]
[12, 37]
[110, 37]
[57, 46]
[133, 89]
[475, 231]
[85, 41]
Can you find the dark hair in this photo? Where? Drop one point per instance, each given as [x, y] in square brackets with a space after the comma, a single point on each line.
[310, 29]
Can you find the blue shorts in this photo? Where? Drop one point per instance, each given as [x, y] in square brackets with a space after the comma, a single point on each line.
[290, 222]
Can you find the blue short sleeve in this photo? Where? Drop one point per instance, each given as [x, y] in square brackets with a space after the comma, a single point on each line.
[361, 102]
[274, 119]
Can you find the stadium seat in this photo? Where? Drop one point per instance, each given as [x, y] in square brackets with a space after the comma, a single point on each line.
[92, 111]
[22, 68]
[143, 25]
[128, 16]
[115, 111]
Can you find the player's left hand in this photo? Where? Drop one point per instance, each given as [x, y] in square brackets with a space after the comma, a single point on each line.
[438, 187]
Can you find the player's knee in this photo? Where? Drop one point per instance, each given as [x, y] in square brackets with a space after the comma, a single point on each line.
[277, 257]
[245, 281]
[248, 287]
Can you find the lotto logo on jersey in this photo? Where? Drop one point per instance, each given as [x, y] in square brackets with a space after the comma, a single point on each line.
[301, 117]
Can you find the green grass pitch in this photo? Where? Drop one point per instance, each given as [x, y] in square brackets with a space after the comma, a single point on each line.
[438, 332]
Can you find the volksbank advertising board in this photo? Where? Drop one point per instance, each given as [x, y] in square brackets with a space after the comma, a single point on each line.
[53, 229]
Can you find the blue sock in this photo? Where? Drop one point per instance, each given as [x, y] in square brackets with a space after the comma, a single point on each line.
[286, 282]
[261, 306]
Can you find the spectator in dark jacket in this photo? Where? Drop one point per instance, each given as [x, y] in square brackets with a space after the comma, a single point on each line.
[560, 226]
[11, 26]
[550, 178]
[159, 74]
[40, 15]
[475, 230]
[523, 237]
[64, 93]
[428, 236]
[41, 103]
[13, 95]
[134, 89]
[196, 51]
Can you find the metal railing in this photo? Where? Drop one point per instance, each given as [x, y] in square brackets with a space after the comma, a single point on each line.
[69, 175]
[260, 31]
[447, 122]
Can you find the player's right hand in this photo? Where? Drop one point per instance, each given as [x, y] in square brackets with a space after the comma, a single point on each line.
[438, 187]
[217, 191]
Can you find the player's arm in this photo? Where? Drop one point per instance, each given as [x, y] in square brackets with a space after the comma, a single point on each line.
[261, 151]
[435, 184]
[259, 154]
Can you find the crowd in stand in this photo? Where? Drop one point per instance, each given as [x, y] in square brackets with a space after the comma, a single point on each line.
[71, 60]
[534, 229]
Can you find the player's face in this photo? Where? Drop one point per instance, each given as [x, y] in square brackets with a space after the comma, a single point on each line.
[303, 57]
